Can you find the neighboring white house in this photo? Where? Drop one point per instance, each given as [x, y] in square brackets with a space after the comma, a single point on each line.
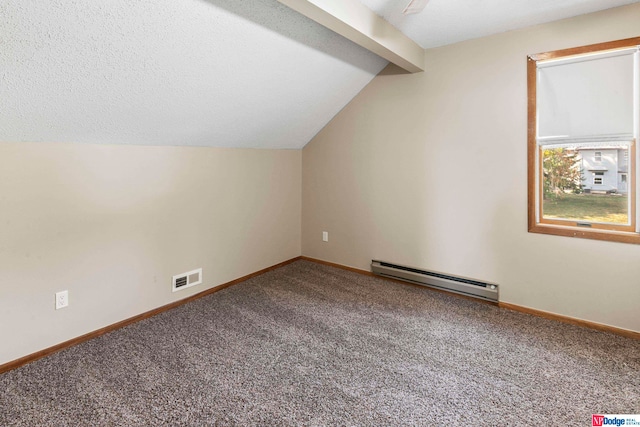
[604, 169]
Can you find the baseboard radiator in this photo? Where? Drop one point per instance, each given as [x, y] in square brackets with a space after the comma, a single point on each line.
[460, 285]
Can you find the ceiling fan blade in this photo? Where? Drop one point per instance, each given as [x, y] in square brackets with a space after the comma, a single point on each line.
[415, 6]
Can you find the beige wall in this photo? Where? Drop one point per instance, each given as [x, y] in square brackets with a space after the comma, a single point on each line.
[404, 173]
[429, 170]
[112, 224]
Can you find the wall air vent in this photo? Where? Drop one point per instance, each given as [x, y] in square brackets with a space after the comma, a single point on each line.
[460, 285]
[186, 280]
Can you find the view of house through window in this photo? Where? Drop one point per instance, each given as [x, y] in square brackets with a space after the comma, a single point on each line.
[586, 183]
[584, 124]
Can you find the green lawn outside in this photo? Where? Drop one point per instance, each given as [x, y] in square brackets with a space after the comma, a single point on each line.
[588, 207]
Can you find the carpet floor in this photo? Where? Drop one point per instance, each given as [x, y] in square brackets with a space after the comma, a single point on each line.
[312, 345]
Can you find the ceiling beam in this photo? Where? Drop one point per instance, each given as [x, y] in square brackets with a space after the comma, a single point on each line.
[358, 23]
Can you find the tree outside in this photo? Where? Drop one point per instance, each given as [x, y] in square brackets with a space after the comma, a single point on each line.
[561, 171]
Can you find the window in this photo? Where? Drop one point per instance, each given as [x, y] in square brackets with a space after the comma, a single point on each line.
[584, 122]
[598, 177]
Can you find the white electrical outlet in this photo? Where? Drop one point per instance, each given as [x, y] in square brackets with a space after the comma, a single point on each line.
[325, 236]
[62, 299]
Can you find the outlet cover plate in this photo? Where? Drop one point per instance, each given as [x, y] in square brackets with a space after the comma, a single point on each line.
[62, 299]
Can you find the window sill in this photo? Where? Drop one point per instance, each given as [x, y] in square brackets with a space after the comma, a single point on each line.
[595, 234]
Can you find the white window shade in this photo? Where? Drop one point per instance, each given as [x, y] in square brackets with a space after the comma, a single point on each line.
[586, 98]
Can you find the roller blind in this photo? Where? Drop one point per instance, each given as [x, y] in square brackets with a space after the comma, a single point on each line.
[586, 98]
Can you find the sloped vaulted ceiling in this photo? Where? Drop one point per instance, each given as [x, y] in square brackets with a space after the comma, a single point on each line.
[223, 73]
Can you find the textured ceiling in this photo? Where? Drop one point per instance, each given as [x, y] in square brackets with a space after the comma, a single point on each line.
[449, 21]
[223, 73]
